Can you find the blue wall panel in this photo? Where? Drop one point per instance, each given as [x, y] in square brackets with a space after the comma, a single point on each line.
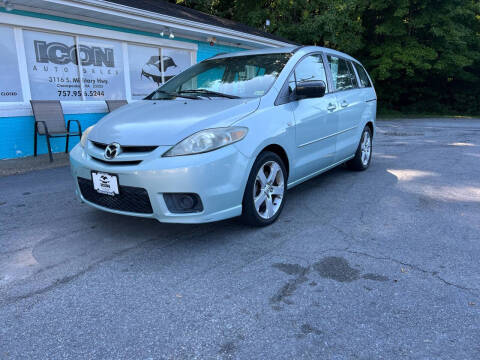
[16, 135]
[206, 51]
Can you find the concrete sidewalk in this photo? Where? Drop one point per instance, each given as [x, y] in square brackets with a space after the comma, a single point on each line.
[30, 163]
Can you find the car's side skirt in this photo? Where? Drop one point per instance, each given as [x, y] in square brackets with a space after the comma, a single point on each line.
[318, 172]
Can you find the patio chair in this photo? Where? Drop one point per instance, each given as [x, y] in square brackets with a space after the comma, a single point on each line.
[115, 104]
[49, 121]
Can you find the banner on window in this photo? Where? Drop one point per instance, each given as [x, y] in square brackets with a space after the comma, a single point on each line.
[145, 70]
[177, 61]
[10, 86]
[102, 69]
[53, 67]
[146, 67]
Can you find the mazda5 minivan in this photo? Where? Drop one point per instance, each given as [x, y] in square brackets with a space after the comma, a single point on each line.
[228, 137]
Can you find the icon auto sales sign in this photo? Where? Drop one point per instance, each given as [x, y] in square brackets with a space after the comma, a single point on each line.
[60, 54]
[55, 71]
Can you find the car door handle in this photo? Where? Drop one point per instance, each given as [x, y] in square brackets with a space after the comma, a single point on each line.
[331, 107]
[344, 103]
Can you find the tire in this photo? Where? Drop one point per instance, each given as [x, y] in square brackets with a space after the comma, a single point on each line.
[264, 197]
[363, 155]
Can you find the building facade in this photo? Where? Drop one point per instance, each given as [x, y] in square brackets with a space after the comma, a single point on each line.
[126, 50]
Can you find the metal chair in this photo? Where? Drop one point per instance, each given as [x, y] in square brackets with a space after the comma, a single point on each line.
[115, 104]
[49, 114]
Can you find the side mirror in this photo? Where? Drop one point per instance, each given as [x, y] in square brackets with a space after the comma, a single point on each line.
[310, 89]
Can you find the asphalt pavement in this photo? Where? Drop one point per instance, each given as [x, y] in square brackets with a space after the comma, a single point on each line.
[381, 264]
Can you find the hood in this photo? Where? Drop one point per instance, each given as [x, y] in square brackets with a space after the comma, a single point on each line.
[166, 122]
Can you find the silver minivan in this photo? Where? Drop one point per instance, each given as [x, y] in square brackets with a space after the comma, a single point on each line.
[228, 137]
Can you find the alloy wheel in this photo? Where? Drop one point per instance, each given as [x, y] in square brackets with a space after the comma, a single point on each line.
[366, 148]
[268, 190]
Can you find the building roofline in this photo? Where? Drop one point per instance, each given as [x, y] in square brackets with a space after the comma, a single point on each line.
[186, 13]
[134, 12]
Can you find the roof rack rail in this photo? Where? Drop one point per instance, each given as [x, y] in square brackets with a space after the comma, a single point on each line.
[221, 53]
[298, 48]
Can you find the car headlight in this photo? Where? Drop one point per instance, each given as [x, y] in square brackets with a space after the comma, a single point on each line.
[83, 140]
[207, 140]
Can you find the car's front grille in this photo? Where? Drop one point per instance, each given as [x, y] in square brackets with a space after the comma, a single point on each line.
[117, 163]
[127, 149]
[131, 199]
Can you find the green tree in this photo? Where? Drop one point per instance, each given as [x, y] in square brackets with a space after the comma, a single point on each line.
[424, 55]
[421, 52]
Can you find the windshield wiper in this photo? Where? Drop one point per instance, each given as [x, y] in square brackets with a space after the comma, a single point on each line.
[172, 94]
[207, 93]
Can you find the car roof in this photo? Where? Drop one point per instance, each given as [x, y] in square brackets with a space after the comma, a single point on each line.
[302, 50]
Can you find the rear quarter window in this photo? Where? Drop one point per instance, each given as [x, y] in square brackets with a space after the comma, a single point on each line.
[362, 74]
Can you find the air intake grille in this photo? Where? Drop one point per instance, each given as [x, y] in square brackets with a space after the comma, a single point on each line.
[131, 199]
[118, 163]
[127, 149]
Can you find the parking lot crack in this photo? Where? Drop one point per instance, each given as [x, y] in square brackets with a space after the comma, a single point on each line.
[14, 251]
[69, 278]
[434, 274]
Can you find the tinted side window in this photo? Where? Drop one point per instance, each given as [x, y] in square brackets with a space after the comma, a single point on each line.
[354, 77]
[311, 69]
[362, 74]
[342, 73]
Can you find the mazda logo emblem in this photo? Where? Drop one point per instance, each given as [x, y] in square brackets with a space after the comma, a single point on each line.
[112, 150]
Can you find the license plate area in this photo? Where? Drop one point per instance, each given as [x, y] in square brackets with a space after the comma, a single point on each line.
[105, 183]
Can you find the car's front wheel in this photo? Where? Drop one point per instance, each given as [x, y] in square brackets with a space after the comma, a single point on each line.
[264, 195]
[363, 155]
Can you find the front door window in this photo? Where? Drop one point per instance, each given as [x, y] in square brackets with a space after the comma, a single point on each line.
[311, 69]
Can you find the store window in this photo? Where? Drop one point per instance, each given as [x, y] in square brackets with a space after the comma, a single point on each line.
[54, 71]
[145, 70]
[10, 87]
[146, 64]
[175, 61]
[52, 66]
[102, 69]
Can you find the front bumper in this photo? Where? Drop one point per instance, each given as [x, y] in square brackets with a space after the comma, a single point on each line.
[218, 177]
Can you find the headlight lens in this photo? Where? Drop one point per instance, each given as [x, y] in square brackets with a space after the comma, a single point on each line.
[207, 140]
[83, 140]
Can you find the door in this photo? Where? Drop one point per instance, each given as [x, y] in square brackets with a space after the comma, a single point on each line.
[351, 106]
[315, 120]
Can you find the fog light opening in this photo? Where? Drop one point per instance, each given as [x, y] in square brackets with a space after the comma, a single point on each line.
[179, 203]
[187, 202]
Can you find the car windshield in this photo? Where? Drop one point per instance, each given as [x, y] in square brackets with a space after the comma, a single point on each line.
[231, 77]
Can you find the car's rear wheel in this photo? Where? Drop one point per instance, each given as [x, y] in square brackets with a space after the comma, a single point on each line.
[264, 195]
[363, 155]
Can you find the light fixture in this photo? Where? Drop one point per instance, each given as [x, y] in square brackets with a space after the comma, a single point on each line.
[171, 36]
[162, 33]
[212, 40]
[8, 5]
[267, 24]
